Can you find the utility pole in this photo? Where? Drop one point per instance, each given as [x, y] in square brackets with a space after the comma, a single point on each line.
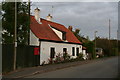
[15, 36]
[117, 44]
[29, 23]
[109, 38]
[52, 12]
[95, 42]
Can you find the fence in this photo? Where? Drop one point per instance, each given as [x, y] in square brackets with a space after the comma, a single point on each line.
[25, 57]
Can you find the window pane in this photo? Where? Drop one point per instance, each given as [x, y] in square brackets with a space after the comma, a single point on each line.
[64, 36]
[64, 50]
[52, 52]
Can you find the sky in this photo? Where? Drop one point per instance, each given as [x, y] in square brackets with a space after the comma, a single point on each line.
[65, 0]
[87, 16]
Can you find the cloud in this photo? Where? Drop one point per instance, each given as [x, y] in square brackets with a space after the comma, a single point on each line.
[88, 16]
[73, 0]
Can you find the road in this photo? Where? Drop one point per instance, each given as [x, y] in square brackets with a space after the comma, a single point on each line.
[101, 69]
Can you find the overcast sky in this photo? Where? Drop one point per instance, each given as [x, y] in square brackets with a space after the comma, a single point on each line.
[87, 16]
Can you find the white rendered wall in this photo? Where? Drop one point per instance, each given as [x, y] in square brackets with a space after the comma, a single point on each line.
[33, 39]
[84, 54]
[57, 32]
[45, 49]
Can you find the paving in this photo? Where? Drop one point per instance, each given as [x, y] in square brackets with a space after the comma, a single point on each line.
[100, 69]
[46, 68]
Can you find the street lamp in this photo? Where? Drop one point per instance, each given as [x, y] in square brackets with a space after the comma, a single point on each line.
[95, 42]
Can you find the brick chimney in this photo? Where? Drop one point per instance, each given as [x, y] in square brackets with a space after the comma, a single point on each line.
[49, 17]
[37, 15]
[70, 28]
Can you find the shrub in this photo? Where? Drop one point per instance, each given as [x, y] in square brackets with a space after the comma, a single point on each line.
[66, 56]
[80, 56]
[50, 60]
[58, 58]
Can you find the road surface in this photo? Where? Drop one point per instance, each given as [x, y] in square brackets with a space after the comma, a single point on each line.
[100, 69]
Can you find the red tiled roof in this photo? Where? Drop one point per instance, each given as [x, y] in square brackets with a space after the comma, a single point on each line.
[43, 31]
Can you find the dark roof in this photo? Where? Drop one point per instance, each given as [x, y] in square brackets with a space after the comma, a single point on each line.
[43, 31]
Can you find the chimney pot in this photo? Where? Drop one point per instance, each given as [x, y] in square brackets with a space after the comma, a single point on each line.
[37, 16]
[70, 28]
[49, 17]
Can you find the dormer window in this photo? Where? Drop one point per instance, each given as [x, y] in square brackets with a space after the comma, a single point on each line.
[64, 36]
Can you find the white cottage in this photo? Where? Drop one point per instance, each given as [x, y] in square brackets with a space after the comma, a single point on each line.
[52, 38]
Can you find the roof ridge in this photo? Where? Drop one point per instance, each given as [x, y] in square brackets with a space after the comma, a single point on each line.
[50, 21]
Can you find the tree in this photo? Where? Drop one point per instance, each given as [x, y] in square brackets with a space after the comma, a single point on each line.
[104, 44]
[90, 48]
[86, 42]
[8, 22]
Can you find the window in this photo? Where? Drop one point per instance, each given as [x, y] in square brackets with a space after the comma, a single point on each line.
[64, 53]
[52, 52]
[64, 36]
[64, 50]
[73, 51]
[77, 51]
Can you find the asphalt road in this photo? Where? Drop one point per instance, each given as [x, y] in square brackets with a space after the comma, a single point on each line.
[100, 69]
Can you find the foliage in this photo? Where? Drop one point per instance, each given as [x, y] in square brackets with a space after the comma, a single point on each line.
[90, 48]
[50, 61]
[66, 56]
[58, 58]
[8, 22]
[86, 42]
[108, 49]
[80, 56]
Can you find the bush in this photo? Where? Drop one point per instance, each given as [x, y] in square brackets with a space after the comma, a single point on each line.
[50, 61]
[66, 56]
[58, 58]
[80, 56]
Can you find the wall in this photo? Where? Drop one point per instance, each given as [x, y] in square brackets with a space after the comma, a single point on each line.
[84, 54]
[45, 49]
[58, 33]
[33, 39]
[25, 57]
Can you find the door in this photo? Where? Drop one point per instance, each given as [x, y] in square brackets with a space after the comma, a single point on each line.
[52, 52]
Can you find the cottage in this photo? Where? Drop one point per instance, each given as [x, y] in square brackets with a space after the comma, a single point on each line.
[52, 38]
